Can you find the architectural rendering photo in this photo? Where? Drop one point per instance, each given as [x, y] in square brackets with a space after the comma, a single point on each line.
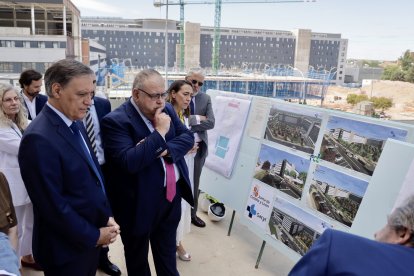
[294, 227]
[298, 129]
[356, 145]
[336, 194]
[281, 170]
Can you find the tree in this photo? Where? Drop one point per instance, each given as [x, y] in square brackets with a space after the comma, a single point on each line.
[266, 165]
[302, 176]
[406, 61]
[393, 72]
[402, 72]
[382, 103]
[409, 75]
[293, 174]
[354, 98]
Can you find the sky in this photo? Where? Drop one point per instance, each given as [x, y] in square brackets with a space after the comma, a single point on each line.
[340, 180]
[367, 130]
[380, 30]
[275, 156]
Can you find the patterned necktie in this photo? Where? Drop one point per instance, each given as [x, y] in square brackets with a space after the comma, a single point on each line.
[90, 131]
[75, 129]
[192, 111]
[169, 176]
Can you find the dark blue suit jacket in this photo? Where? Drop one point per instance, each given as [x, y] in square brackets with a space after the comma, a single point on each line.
[69, 204]
[40, 102]
[102, 106]
[340, 253]
[136, 174]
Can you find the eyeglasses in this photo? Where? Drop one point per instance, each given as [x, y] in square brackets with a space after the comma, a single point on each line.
[155, 97]
[195, 82]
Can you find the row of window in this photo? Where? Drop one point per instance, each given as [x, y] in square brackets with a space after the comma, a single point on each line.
[32, 44]
[18, 67]
[126, 33]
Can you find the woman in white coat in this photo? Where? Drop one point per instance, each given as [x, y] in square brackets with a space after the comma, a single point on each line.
[179, 95]
[13, 121]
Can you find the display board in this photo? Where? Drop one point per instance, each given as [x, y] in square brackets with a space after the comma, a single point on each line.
[302, 169]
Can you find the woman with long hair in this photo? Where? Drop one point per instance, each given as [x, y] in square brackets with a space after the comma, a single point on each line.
[179, 95]
[13, 121]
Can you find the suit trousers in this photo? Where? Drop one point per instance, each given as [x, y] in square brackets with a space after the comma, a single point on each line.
[199, 160]
[162, 237]
[85, 264]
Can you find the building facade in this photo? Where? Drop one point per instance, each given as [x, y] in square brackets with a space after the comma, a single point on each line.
[34, 34]
[142, 41]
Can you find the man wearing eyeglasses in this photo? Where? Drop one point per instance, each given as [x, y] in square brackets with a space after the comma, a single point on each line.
[145, 143]
[341, 253]
[201, 120]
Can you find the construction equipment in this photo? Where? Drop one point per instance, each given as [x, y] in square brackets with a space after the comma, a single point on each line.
[215, 58]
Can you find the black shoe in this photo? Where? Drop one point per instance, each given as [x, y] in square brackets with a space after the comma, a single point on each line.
[198, 222]
[109, 268]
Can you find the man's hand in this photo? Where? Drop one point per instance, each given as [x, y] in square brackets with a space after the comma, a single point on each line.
[202, 118]
[108, 234]
[112, 222]
[194, 149]
[161, 122]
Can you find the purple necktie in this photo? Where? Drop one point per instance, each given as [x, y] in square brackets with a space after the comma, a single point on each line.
[169, 176]
[170, 179]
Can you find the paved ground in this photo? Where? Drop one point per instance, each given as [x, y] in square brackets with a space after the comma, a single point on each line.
[214, 253]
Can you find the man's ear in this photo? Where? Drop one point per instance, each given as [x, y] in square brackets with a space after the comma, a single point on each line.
[56, 89]
[404, 236]
[135, 93]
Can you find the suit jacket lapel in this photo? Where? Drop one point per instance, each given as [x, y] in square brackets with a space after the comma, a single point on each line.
[63, 130]
[136, 120]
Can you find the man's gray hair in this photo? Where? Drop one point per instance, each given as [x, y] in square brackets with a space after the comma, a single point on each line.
[198, 71]
[63, 71]
[403, 216]
[143, 76]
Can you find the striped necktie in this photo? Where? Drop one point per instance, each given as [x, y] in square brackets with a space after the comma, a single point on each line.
[90, 131]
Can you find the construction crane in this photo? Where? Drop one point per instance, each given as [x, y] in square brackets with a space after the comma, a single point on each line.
[215, 57]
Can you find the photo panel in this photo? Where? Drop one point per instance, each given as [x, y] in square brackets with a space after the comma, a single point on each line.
[293, 127]
[356, 145]
[336, 194]
[282, 170]
[295, 227]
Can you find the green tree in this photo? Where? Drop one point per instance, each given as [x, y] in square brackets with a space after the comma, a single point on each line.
[302, 176]
[351, 99]
[406, 61]
[293, 174]
[409, 75]
[382, 103]
[393, 72]
[354, 98]
[402, 72]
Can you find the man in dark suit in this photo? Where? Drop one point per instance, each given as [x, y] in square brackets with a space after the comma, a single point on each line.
[340, 253]
[98, 109]
[145, 143]
[31, 83]
[201, 120]
[72, 218]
